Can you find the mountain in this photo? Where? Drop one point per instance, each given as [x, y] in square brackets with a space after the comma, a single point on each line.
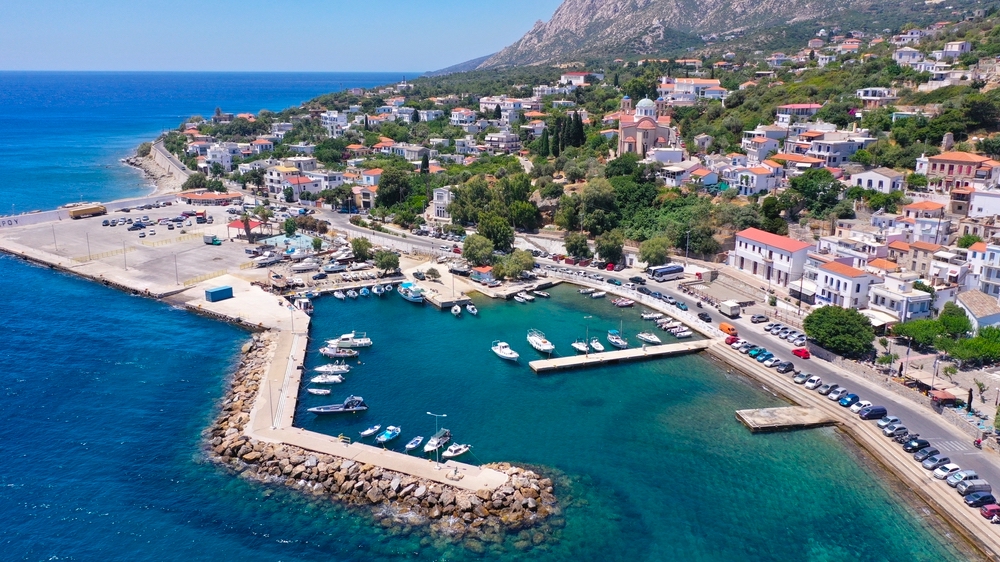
[460, 67]
[600, 28]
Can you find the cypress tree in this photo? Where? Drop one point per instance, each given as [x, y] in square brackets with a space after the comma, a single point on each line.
[416, 116]
[578, 132]
[543, 145]
[497, 114]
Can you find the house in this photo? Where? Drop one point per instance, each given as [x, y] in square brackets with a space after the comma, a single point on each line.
[884, 180]
[364, 196]
[275, 177]
[328, 179]
[873, 98]
[770, 257]
[206, 197]
[371, 177]
[761, 142]
[952, 50]
[906, 56]
[704, 177]
[981, 308]
[908, 37]
[841, 285]
[897, 298]
[503, 141]
[439, 204]
[430, 114]
[300, 184]
[301, 163]
[334, 122]
[920, 257]
[461, 117]
[751, 181]
[792, 112]
[482, 274]
[825, 59]
[578, 78]
[702, 142]
[816, 43]
[261, 145]
[302, 148]
[953, 169]
[646, 127]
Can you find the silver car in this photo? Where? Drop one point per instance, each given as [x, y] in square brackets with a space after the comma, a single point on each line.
[837, 394]
[799, 341]
[791, 336]
[887, 421]
[776, 329]
[957, 477]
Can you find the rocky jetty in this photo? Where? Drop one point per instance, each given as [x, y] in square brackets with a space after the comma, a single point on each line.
[524, 510]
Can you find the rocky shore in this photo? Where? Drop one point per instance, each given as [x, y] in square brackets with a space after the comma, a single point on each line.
[164, 182]
[524, 511]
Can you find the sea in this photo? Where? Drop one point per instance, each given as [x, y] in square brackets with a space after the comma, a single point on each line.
[105, 396]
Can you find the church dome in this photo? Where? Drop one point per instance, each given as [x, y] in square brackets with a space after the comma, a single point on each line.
[646, 102]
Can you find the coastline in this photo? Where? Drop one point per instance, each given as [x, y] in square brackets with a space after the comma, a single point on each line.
[163, 182]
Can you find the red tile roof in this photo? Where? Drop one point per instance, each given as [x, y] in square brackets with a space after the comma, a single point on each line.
[768, 239]
[880, 263]
[925, 206]
[899, 245]
[926, 246]
[978, 247]
[838, 268]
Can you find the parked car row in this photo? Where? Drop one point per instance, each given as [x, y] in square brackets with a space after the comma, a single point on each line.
[788, 333]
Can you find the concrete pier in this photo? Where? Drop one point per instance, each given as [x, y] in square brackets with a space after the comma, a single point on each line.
[783, 419]
[619, 355]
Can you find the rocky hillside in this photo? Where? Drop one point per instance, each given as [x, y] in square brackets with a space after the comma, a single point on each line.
[598, 28]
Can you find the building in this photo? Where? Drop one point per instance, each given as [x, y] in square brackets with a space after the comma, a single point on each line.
[439, 205]
[906, 56]
[873, 98]
[791, 112]
[334, 122]
[275, 178]
[841, 285]
[770, 257]
[371, 177]
[884, 180]
[301, 184]
[461, 117]
[364, 196]
[897, 298]
[430, 114]
[503, 141]
[959, 169]
[644, 128]
[261, 145]
[982, 309]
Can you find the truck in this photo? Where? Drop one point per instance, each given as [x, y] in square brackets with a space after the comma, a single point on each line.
[730, 308]
[87, 211]
[211, 240]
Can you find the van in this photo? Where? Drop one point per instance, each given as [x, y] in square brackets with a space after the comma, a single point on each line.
[873, 413]
[966, 487]
[728, 328]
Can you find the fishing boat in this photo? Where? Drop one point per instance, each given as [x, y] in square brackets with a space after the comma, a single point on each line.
[352, 293]
[580, 345]
[504, 351]
[338, 353]
[414, 443]
[389, 434]
[351, 404]
[387, 287]
[456, 311]
[411, 292]
[598, 295]
[371, 431]
[327, 379]
[615, 338]
[471, 309]
[526, 296]
[378, 290]
[438, 440]
[455, 450]
[319, 391]
[333, 369]
[519, 299]
[586, 291]
[364, 292]
[624, 303]
[542, 294]
[684, 334]
[349, 340]
[648, 337]
[339, 295]
[304, 304]
[538, 341]
[652, 315]
[596, 345]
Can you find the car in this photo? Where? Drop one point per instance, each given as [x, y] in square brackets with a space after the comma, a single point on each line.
[142, 235]
[730, 340]
[106, 222]
[922, 454]
[704, 317]
[946, 470]
[914, 445]
[615, 282]
[152, 231]
[637, 280]
[669, 299]
[769, 325]
[989, 510]
[894, 430]
[826, 389]
[771, 361]
[887, 420]
[419, 275]
[801, 378]
[787, 367]
[872, 413]
[979, 499]
[746, 348]
[763, 356]
[801, 353]
[170, 226]
[656, 295]
[799, 341]
[961, 475]
[681, 305]
[860, 405]
[758, 318]
[849, 400]
[187, 223]
[776, 329]
[319, 276]
[782, 333]
[837, 394]
[134, 227]
[814, 382]
[793, 335]
[145, 218]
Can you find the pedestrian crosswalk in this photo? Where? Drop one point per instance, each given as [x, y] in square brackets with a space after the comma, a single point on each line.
[951, 445]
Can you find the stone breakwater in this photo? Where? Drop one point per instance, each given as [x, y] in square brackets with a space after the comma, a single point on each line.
[524, 510]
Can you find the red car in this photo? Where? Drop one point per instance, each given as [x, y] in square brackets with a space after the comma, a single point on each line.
[801, 353]
[731, 340]
[989, 510]
[610, 267]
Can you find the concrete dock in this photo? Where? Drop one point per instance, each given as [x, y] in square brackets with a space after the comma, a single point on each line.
[783, 419]
[617, 356]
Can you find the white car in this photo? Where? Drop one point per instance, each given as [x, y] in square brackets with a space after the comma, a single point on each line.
[814, 382]
[772, 362]
[738, 343]
[837, 394]
[946, 470]
[859, 405]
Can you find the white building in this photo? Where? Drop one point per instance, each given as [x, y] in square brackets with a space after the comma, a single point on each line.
[770, 257]
[334, 122]
[982, 309]
[461, 117]
[329, 179]
[897, 298]
[430, 114]
[841, 285]
[439, 206]
[884, 180]
[504, 141]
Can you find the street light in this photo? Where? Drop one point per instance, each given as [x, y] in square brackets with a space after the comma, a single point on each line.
[586, 341]
[437, 452]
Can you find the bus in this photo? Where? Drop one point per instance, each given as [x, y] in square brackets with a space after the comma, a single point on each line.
[665, 272]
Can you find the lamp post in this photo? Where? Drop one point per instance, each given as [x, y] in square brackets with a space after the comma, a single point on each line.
[586, 340]
[437, 452]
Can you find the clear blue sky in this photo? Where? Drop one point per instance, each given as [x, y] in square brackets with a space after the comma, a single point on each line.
[292, 35]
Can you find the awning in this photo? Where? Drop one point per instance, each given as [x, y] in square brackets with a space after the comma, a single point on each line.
[878, 318]
[941, 395]
[925, 378]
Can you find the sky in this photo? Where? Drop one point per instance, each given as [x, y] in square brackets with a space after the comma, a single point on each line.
[260, 35]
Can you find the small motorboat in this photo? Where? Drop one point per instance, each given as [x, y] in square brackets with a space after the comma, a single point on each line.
[538, 341]
[339, 353]
[615, 338]
[504, 351]
[352, 293]
[598, 295]
[378, 290]
[351, 404]
[652, 315]
[456, 311]
[471, 309]
[648, 337]
[350, 340]
[364, 292]
[519, 299]
[387, 287]
[414, 443]
[371, 431]
[624, 303]
[438, 440]
[327, 379]
[389, 434]
[596, 345]
[319, 391]
[580, 345]
[526, 296]
[339, 295]
[333, 369]
[542, 294]
[455, 450]
[586, 291]
[684, 334]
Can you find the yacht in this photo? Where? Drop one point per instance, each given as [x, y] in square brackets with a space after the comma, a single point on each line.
[538, 341]
[389, 434]
[334, 268]
[504, 351]
[351, 404]
[338, 353]
[327, 379]
[349, 340]
[652, 315]
[455, 450]
[333, 369]
[526, 296]
[615, 338]
[438, 440]
[411, 292]
[648, 337]
[542, 294]
[581, 346]
[456, 311]
[598, 295]
[471, 309]
[596, 345]
[586, 291]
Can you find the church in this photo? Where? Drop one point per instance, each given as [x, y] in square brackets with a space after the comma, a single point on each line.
[644, 128]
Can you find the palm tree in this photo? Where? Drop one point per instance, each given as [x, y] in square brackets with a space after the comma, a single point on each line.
[264, 214]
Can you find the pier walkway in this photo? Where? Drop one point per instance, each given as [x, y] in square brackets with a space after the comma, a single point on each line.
[634, 354]
[783, 419]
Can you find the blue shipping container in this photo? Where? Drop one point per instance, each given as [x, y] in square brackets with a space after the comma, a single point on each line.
[217, 294]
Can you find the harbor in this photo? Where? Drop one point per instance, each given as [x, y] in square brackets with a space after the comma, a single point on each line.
[618, 356]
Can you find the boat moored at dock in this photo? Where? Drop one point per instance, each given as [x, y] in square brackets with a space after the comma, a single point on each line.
[371, 431]
[538, 341]
[648, 337]
[333, 368]
[338, 353]
[542, 294]
[350, 340]
[389, 434]
[438, 440]
[327, 379]
[414, 443]
[581, 346]
[411, 292]
[615, 338]
[456, 311]
[351, 404]
[471, 309]
[455, 450]
[596, 345]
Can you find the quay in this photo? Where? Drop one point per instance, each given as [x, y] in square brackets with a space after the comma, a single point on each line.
[782, 419]
[617, 356]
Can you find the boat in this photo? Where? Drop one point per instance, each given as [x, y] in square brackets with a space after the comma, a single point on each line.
[623, 303]
[667, 326]
[339, 295]
[371, 431]
[581, 346]
[364, 292]
[349, 340]
[333, 369]
[338, 353]
[471, 309]
[598, 295]
[526, 296]
[596, 345]
[648, 337]
[456, 311]
[414, 443]
[318, 391]
[504, 351]
[304, 266]
[387, 287]
[538, 341]
[327, 379]
[586, 291]
[378, 290]
[684, 334]
[440, 439]
[389, 434]
[334, 268]
[615, 338]
[455, 450]
[411, 292]
[542, 294]
[352, 293]
[519, 299]
[304, 304]
[652, 315]
[351, 404]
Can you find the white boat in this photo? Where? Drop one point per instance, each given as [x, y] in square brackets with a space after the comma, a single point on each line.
[599, 295]
[334, 268]
[437, 440]
[471, 309]
[351, 340]
[327, 379]
[684, 334]
[526, 296]
[339, 295]
[538, 341]
[586, 291]
[648, 337]
[504, 351]
[615, 338]
[623, 302]
[414, 443]
[305, 266]
[456, 311]
[652, 315]
[378, 290]
[333, 369]
[581, 346]
[455, 450]
[519, 299]
[319, 391]
[304, 304]
[411, 292]
[371, 431]
[352, 293]
[338, 353]
[542, 294]
[596, 345]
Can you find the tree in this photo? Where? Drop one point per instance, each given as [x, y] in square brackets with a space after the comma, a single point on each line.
[245, 219]
[433, 274]
[144, 149]
[497, 113]
[386, 260]
[425, 165]
[862, 157]
[415, 118]
[393, 187]
[954, 321]
[655, 251]
[625, 165]
[916, 181]
[362, 248]
[289, 195]
[524, 214]
[990, 146]
[576, 244]
[196, 180]
[610, 246]
[317, 244]
[844, 331]
[495, 228]
[511, 266]
[967, 240]
[290, 227]
[477, 249]
[543, 144]
[921, 333]
[217, 169]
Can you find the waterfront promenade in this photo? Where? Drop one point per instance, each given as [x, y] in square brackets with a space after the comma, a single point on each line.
[618, 356]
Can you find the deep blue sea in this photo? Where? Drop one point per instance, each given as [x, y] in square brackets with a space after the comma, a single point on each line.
[104, 397]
